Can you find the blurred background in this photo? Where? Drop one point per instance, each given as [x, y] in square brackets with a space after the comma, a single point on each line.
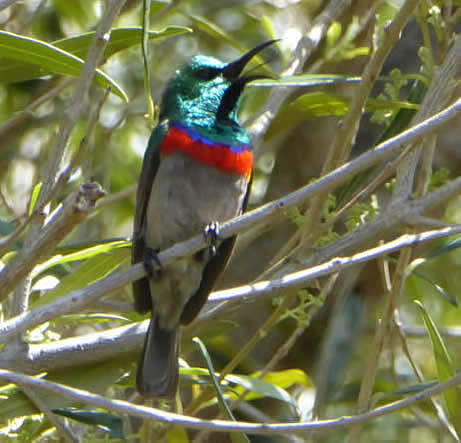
[325, 340]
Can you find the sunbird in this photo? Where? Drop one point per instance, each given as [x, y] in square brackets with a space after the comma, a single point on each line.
[196, 173]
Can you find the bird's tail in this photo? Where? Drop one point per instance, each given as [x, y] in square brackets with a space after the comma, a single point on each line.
[158, 370]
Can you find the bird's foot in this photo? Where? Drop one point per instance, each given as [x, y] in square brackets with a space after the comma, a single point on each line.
[211, 234]
[152, 263]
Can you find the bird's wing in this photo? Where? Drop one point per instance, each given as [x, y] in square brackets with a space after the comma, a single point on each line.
[212, 271]
[141, 291]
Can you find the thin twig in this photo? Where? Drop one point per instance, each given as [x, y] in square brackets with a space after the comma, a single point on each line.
[74, 210]
[327, 183]
[20, 116]
[100, 346]
[341, 147]
[396, 215]
[6, 243]
[53, 168]
[436, 97]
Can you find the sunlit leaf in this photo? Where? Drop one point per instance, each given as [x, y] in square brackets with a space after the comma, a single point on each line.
[120, 38]
[92, 270]
[47, 58]
[445, 368]
[261, 388]
[236, 437]
[304, 80]
[34, 196]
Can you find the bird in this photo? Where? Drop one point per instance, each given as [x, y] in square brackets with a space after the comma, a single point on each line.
[196, 173]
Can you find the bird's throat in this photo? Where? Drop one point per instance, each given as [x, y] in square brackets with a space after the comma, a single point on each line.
[225, 157]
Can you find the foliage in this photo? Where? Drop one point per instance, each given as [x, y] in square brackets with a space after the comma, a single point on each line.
[240, 371]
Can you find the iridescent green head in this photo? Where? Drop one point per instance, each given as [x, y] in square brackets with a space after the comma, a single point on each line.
[205, 95]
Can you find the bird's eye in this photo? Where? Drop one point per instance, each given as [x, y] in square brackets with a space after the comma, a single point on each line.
[207, 73]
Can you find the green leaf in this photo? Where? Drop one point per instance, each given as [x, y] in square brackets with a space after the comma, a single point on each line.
[377, 104]
[120, 38]
[177, 434]
[450, 298]
[399, 123]
[34, 196]
[333, 34]
[318, 104]
[211, 372]
[260, 388]
[310, 105]
[413, 389]
[105, 421]
[287, 378]
[237, 437]
[445, 369]
[48, 59]
[304, 80]
[72, 254]
[93, 318]
[94, 378]
[103, 261]
[448, 247]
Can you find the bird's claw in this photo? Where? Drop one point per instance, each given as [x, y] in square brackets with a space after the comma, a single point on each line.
[152, 263]
[211, 234]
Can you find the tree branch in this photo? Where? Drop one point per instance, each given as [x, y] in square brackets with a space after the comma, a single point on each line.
[126, 408]
[82, 297]
[118, 342]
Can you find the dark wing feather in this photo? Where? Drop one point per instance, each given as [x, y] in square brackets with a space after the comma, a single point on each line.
[212, 271]
[141, 291]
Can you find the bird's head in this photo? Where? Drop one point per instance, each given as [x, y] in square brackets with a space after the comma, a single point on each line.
[205, 93]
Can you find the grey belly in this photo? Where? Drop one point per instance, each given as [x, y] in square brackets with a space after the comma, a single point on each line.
[186, 196]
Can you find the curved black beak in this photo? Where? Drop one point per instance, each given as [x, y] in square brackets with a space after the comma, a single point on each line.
[235, 68]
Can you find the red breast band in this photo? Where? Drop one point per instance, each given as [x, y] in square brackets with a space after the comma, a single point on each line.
[226, 158]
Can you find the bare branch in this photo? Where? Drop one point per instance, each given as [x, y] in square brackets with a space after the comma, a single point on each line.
[125, 340]
[126, 408]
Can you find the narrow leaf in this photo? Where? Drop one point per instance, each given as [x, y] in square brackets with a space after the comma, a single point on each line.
[304, 80]
[120, 38]
[237, 437]
[450, 298]
[90, 271]
[105, 421]
[448, 247]
[48, 59]
[34, 196]
[261, 388]
[445, 368]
